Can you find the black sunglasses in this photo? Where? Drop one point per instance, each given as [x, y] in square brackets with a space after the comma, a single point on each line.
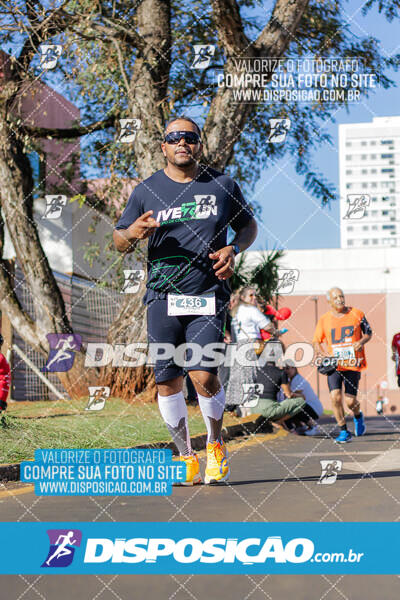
[190, 137]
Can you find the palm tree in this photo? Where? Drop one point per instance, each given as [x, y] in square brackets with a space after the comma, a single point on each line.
[264, 277]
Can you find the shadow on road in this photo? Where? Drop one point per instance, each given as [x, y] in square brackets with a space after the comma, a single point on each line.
[374, 475]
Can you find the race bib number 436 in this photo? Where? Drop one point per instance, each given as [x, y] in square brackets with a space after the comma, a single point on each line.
[181, 305]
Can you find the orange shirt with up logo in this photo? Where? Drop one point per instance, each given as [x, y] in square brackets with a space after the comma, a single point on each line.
[340, 333]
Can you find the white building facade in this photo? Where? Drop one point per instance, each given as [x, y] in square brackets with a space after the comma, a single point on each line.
[369, 173]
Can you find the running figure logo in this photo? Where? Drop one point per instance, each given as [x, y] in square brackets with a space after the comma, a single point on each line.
[286, 280]
[49, 56]
[62, 547]
[206, 205]
[203, 56]
[97, 397]
[133, 277]
[251, 393]
[356, 206]
[129, 129]
[330, 470]
[54, 206]
[62, 351]
[278, 130]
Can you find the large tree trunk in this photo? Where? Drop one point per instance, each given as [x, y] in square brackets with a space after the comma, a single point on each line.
[129, 327]
[147, 100]
[16, 187]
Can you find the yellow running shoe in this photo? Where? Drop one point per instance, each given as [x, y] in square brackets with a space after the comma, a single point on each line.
[192, 470]
[224, 448]
[217, 469]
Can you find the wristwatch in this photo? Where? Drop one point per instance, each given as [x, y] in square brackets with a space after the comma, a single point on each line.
[236, 249]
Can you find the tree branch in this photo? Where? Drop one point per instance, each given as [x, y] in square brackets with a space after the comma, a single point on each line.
[230, 27]
[226, 119]
[55, 22]
[277, 35]
[70, 133]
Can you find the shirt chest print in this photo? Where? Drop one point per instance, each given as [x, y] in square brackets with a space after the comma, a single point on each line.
[202, 207]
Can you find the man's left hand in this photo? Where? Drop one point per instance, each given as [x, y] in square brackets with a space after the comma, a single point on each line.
[225, 262]
[357, 346]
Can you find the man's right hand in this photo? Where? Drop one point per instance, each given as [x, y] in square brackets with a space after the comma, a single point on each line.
[143, 227]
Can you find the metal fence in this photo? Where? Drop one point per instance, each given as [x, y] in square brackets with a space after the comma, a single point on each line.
[91, 310]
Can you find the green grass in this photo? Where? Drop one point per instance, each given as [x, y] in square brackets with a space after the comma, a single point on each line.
[67, 425]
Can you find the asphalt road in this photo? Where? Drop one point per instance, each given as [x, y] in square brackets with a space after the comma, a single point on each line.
[274, 478]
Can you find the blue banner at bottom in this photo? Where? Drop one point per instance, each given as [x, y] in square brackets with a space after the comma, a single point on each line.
[208, 548]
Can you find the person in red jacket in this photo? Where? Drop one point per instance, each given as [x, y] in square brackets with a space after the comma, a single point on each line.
[396, 354]
[4, 378]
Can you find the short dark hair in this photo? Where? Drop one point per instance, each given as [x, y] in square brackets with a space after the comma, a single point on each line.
[182, 118]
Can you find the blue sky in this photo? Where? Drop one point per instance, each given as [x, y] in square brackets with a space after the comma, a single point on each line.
[291, 217]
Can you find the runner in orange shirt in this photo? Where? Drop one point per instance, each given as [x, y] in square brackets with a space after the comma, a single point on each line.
[345, 330]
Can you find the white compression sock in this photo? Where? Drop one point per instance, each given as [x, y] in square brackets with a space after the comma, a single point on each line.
[173, 410]
[212, 410]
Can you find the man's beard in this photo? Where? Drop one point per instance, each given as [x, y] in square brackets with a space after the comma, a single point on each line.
[185, 161]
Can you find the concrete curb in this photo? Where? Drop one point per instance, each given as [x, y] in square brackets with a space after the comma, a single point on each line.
[10, 472]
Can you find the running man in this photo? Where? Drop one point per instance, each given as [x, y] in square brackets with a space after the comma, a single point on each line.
[185, 210]
[346, 331]
[62, 549]
[396, 355]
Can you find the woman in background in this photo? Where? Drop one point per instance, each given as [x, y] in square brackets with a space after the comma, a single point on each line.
[247, 323]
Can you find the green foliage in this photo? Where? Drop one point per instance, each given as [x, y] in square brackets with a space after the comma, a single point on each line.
[95, 73]
[264, 277]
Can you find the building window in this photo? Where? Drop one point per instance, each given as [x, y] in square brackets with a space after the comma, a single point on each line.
[365, 228]
[364, 171]
[374, 241]
[373, 171]
[363, 156]
[348, 144]
[363, 143]
[349, 186]
[373, 155]
[388, 226]
[374, 227]
[365, 242]
[383, 142]
[386, 155]
[350, 242]
[350, 228]
[373, 143]
[387, 170]
[349, 172]
[348, 156]
[374, 199]
[374, 184]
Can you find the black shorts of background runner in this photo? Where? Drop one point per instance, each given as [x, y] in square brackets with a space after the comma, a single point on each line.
[197, 329]
[350, 379]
